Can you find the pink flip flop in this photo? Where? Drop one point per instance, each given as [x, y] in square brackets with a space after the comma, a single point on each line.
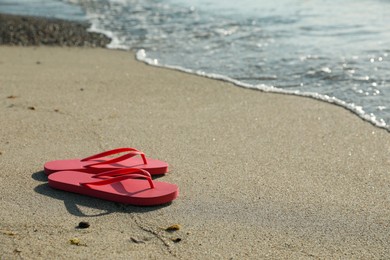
[100, 162]
[123, 186]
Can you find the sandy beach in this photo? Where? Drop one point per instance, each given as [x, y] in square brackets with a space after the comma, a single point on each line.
[261, 175]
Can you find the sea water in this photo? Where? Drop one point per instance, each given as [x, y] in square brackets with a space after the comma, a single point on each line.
[336, 51]
[43, 8]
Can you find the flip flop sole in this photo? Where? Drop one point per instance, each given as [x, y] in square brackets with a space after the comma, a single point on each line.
[129, 191]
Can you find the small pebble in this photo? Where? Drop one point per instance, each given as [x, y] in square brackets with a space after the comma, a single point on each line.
[75, 241]
[83, 224]
[137, 241]
[172, 228]
[176, 240]
[31, 108]
[9, 233]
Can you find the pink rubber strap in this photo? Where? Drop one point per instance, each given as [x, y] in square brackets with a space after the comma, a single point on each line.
[109, 152]
[122, 176]
[132, 152]
[123, 171]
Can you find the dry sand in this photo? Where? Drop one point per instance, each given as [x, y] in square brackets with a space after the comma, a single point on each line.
[261, 176]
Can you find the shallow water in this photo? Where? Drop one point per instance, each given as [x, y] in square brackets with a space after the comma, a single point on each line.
[329, 50]
[43, 8]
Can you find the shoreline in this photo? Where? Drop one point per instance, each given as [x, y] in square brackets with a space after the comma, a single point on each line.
[261, 175]
[315, 96]
[23, 30]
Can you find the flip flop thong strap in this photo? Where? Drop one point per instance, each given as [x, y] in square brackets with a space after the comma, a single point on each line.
[120, 175]
[131, 152]
[121, 172]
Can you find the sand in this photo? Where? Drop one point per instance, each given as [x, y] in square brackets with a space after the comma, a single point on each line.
[261, 175]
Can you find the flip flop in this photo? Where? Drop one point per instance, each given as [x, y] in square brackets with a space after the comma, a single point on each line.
[100, 162]
[123, 186]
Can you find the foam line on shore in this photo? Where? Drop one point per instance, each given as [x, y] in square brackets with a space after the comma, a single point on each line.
[358, 110]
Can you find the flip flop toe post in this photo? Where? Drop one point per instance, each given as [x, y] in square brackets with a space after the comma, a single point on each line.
[128, 186]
